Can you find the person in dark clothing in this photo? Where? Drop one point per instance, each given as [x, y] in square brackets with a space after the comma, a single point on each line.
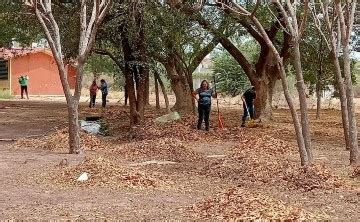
[204, 103]
[104, 91]
[248, 104]
[93, 90]
[23, 81]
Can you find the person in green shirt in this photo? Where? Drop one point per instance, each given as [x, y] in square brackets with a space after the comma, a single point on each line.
[23, 81]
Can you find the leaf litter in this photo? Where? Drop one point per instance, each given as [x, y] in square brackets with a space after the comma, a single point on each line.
[164, 149]
[257, 157]
[239, 204]
[104, 172]
[59, 141]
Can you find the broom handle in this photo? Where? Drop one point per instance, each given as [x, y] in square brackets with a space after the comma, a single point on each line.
[217, 101]
[247, 110]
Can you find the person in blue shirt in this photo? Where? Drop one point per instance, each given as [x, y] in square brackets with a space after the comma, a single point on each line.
[204, 103]
[104, 91]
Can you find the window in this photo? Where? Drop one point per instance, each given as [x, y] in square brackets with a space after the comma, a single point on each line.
[4, 70]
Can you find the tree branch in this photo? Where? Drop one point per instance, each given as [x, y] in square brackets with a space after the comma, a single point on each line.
[201, 55]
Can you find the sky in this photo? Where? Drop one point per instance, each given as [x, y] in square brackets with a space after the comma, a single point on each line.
[356, 55]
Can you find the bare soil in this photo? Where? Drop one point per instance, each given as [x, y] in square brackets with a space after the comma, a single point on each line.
[25, 193]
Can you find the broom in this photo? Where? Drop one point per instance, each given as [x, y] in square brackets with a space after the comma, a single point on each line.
[220, 123]
[249, 121]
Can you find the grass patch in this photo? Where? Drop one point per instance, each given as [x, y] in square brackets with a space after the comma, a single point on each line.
[5, 94]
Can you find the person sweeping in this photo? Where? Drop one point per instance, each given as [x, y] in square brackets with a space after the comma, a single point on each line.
[248, 99]
[204, 103]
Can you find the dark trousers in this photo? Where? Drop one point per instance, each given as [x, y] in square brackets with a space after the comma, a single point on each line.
[24, 88]
[92, 101]
[204, 114]
[104, 99]
[251, 112]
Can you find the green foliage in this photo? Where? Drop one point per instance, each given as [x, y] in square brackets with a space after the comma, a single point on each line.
[104, 128]
[231, 79]
[98, 64]
[17, 25]
[5, 94]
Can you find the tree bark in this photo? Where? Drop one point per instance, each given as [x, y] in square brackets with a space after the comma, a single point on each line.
[318, 80]
[180, 86]
[346, 29]
[298, 129]
[354, 148]
[318, 96]
[264, 95]
[342, 96]
[163, 91]
[74, 128]
[156, 92]
[301, 88]
[135, 118]
[147, 87]
[140, 92]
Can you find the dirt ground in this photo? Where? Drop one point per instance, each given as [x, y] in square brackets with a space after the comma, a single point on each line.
[191, 188]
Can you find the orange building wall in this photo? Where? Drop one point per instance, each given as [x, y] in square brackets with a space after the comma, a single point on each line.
[43, 74]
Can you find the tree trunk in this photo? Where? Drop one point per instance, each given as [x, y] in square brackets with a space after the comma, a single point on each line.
[184, 102]
[147, 87]
[299, 137]
[318, 79]
[140, 91]
[318, 96]
[74, 128]
[134, 115]
[264, 96]
[303, 103]
[342, 96]
[129, 80]
[354, 149]
[280, 65]
[163, 91]
[180, 86]
[73, 109]
[157, 92]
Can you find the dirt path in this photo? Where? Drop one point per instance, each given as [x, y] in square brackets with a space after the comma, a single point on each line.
[22, 197]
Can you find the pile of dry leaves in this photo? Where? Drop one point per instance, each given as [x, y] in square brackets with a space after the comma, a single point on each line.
[256, 158]
[262, 158]
[312, 177]
[178, 130]
[168, 149]
[59, 141]
[104, 172]
[239, 204]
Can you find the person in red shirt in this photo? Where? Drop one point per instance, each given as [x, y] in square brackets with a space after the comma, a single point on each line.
[93, 90]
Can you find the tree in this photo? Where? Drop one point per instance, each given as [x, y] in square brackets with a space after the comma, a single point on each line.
[296, 31]
[123, 38]
[317, 66]
[338, 20]
[230, 76]
[302, 133]
[14, 27]
[88, 29]
[182, 46]
[263, 73]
